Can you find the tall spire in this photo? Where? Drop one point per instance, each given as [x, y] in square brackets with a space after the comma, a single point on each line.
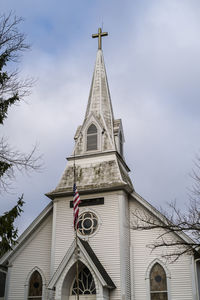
[99, 108]
[100, 163]
[99, 102]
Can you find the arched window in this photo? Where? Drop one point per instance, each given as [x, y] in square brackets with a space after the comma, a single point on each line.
[35, 286]
[158, 283]
[86, 283]
[121, 143]
[92, 138]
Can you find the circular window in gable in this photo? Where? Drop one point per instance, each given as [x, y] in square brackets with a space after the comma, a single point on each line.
[88, 223]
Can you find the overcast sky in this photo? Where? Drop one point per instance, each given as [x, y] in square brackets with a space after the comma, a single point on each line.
[152, 57]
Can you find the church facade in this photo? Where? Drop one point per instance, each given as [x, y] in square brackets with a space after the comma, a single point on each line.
[114, 261]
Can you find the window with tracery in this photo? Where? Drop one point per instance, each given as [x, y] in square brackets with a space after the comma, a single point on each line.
[86, 283]
[87, 223]
[158, 283]
[35, 286]
[92, 138]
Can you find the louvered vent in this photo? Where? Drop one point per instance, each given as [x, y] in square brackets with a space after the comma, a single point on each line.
[92, 138]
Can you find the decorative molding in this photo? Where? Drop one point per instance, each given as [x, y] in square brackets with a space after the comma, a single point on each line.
[87, 237]
[156, 260]
[26, 285]
[168, 277]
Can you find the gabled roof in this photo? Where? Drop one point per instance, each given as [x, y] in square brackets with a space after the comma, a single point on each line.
[98, 264]
[27, 233]
[92, 259]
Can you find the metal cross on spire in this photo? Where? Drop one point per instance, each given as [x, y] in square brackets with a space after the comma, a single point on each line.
[99, 36]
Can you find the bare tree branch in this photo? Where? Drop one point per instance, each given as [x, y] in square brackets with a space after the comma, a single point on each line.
[176, 231]
[13, 89]
[13, 160]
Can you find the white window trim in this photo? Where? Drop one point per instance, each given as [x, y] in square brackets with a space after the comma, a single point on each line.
[26, 285]
[168, 277]
[92, 134]
[85, 210]
[99, 142]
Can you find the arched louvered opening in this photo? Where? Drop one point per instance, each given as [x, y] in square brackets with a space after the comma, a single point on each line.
[158, 283]
[35, 286]
[92, 138]
[121, 144]
[86, 283]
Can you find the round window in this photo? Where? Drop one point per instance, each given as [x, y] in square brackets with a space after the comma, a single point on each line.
[87, 223]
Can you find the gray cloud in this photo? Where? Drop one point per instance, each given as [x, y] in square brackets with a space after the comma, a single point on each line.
[152, 60]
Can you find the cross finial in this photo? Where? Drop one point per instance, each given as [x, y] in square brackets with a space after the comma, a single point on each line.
[99, 36]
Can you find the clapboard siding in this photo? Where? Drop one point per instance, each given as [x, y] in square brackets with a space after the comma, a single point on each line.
[106, 241]
[180, 284]
[35, 252]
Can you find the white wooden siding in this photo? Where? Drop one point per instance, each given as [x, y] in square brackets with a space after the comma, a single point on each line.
[180, 284]
[106, 241]
[35, 252]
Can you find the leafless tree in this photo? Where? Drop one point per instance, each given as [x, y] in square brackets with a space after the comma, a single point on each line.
[12, 160]
[183, 227]
[13, 89]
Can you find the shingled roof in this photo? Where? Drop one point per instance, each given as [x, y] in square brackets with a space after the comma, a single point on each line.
[98, 264]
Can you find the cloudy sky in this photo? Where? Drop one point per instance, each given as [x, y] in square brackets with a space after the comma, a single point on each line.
[152, 57]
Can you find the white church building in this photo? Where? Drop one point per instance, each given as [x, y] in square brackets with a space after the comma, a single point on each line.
[115, 262]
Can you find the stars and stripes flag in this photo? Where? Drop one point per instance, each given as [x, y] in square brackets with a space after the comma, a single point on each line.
[76, 202]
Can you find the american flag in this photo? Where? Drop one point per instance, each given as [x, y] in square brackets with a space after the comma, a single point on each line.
[76, 202]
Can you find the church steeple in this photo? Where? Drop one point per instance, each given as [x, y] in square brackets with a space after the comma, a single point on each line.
[99, 108]
[99, 141]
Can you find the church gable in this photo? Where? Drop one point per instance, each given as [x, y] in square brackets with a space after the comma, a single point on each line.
[63, 278]
[88, 138]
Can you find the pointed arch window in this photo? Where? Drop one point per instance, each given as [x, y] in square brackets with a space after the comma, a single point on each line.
[35, 286]
[158, 283]
[92, 138]
[121, 144]
[86, 283]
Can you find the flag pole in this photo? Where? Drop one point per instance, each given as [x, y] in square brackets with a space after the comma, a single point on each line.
[76, 237]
